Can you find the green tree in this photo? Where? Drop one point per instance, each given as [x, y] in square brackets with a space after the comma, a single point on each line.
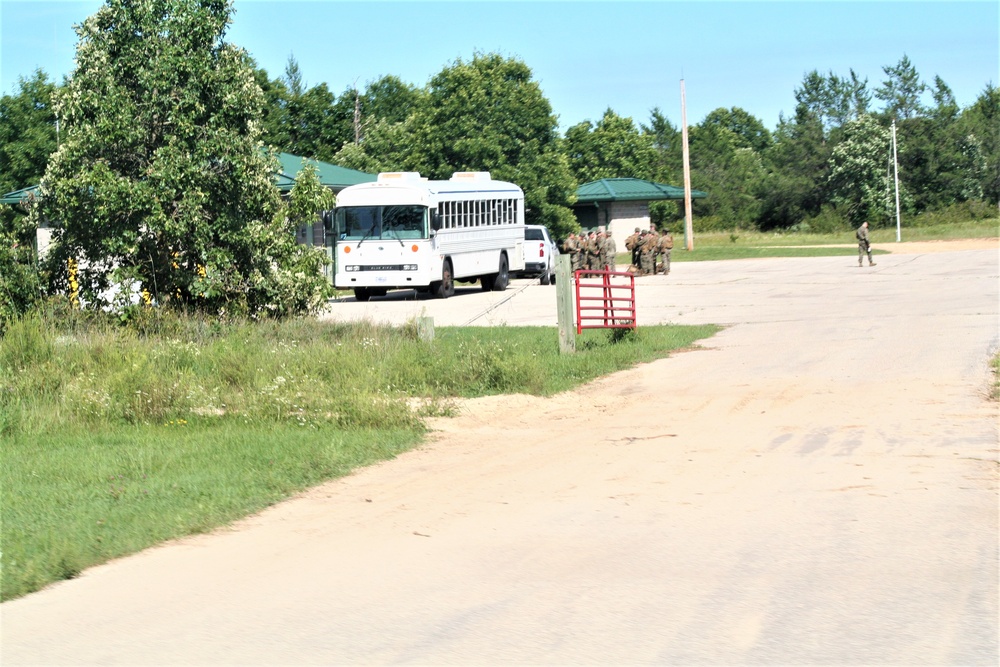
[27, 132]
[978, 125]
[386, 100]
[748, 129]
[729, 171]
[945, 106]
[298, 119]
[859, 174]
[832, 99]
[20, 279]
[614, 148]
[27, 138]
[489, 115]
[902, 90]
[159, 184]
[667, 142]
[798, 165]
[384, 147]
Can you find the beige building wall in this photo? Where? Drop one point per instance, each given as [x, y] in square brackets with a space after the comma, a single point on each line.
[625, 216]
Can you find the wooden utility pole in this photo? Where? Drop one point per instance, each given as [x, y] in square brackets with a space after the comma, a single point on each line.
[688, 226]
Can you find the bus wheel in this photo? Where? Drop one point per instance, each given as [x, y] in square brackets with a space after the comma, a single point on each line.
[361, 294]
[446, 287]
[501, 280]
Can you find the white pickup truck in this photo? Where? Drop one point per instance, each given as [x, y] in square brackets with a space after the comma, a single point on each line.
[539, 255]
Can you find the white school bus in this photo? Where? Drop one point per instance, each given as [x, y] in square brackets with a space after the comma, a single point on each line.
[406, 232]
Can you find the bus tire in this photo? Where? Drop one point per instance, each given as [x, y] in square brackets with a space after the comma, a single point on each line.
[546, 278]
[362, 294]
[446, 287]
[501, 279]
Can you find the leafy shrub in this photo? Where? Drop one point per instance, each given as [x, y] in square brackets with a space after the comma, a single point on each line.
[829, 221]
[954, 214]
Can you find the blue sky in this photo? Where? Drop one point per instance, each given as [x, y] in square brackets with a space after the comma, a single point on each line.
[586, 55]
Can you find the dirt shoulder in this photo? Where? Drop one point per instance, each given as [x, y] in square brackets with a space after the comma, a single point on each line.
[920, 247]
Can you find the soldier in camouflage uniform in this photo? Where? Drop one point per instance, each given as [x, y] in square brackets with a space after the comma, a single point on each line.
[593, 252]
[654, 242]
[647, 253]
[632, 245]
[571, 246]
[864, 246]
[608, 250]
[666, 244]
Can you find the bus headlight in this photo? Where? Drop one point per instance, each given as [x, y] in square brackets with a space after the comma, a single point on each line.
[409, 267]
[352, 267]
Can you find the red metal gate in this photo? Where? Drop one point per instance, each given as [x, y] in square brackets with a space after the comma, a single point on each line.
[604, 300]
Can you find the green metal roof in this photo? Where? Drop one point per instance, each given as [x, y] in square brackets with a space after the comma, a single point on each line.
[17, 196]
[330, 175]
[630, 189]
[334, 177]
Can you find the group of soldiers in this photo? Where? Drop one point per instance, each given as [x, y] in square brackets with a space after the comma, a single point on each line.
[592, 252]
[596, 251]
[650, 251]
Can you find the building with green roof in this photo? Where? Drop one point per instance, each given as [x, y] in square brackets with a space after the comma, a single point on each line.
[330, 175]
[622, 204]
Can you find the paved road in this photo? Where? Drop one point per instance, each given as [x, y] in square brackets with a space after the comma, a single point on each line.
[817, 486]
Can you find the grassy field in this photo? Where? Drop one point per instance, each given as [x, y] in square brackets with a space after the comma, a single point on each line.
[115, 439]
[748, 245]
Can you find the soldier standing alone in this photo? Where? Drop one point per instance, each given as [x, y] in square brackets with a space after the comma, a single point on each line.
[864, 246]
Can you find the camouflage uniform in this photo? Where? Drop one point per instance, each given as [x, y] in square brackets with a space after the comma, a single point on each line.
[666, 244]
[863, 244]
[610, 250]
[632, 245]
[647, 254]
[571, 246]
[593, 252]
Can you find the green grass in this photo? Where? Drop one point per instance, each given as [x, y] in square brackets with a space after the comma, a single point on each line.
[739, 244]
[115, 439]
[76, 499]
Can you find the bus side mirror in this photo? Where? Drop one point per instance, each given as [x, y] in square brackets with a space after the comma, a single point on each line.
[435, 220]
[328, 220]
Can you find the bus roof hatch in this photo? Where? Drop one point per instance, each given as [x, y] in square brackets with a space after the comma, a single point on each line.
[471, 176]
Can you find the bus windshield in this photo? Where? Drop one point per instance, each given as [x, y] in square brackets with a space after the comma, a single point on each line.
[358, 223]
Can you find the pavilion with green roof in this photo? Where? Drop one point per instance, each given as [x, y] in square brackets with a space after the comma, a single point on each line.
[622, 204]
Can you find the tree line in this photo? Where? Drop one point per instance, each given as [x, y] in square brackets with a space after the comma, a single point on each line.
[160, 153]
